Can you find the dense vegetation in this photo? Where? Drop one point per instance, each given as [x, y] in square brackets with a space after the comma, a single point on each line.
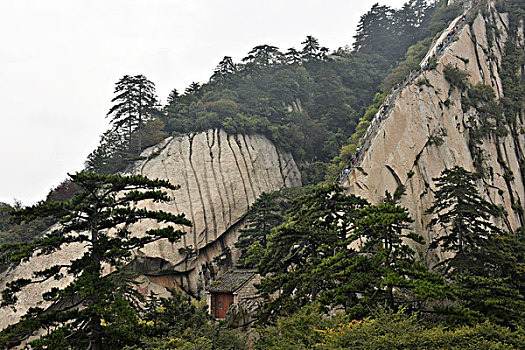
[97, 218]
[325, 251]
[337, 252]
[343, 273]
[441, 17]
[309, 328]
[11, 232]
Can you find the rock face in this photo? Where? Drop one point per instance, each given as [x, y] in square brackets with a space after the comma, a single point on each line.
[426, 131]
[220, 176]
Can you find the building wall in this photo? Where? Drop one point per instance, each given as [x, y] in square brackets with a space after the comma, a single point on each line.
[248, 291]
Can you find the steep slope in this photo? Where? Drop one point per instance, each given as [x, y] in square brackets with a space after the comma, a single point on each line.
[429, 126]
[220, 176]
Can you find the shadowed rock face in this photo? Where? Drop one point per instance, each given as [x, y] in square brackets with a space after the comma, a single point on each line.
[220, 177]
[404, 151]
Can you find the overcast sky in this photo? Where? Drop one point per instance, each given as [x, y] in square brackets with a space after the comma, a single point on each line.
[60, 60]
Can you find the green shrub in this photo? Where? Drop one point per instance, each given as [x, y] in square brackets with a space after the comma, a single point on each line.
[399, 331]
[456, 77]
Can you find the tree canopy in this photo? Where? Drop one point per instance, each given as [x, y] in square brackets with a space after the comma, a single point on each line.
[342, 251]
[338, 272]
[305, 100]
[481, 263]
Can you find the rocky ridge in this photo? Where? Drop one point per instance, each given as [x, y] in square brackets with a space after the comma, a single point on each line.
[426, 130]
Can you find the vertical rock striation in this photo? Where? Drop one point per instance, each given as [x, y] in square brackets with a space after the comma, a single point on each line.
[220, 177]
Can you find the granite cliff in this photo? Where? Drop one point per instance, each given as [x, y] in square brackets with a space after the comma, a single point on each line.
[220, 175]
[429, 126]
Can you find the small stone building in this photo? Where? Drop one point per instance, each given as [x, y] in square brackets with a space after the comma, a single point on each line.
[234, 287]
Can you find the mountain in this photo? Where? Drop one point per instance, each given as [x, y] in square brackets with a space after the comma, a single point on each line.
[457, 99]
[221, 176]
[453, 114]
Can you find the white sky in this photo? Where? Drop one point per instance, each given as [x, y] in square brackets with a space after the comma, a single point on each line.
[60, 60]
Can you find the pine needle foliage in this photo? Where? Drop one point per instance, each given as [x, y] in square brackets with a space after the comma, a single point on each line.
[462, 218]
[263, 215]
[317, 223]
[483, 267]
[343, 252]
[97, 219]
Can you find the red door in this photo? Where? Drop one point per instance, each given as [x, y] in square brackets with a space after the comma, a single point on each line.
[220, 303]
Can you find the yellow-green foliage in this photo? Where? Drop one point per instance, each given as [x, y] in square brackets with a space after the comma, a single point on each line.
[413, 57]
[310, 329]
[398, 331]
[298, 331]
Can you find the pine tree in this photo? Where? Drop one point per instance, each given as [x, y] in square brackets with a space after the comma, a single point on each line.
[111, 154]
[263, 55]
[172, 97]
[374, 30]
[224, 69]
[481, 268]
[135, 101]
[317, 223]
[193, 89]
[264, 214]
[312, 50]
[375, 266]
[462, 219]
[293, 56]
[98, 218]
[341, 251]
[387, 32]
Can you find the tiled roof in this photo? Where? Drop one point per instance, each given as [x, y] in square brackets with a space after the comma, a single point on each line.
[231, 281]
